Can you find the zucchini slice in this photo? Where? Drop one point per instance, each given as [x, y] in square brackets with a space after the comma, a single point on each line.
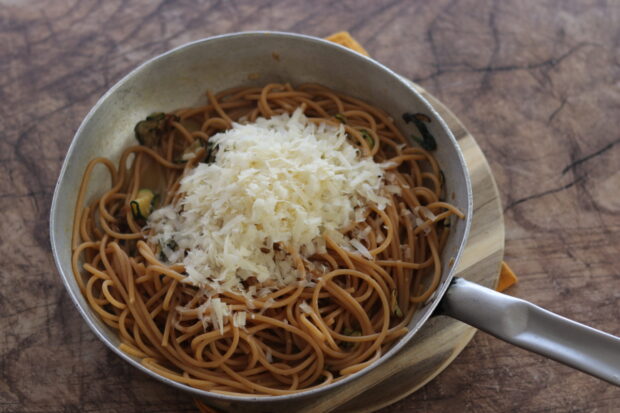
[150, 131]
[142, 205]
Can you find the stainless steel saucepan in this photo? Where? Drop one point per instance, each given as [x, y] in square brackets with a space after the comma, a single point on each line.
[180, 77]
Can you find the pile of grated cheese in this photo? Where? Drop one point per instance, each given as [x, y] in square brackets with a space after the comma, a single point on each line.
[280, 180]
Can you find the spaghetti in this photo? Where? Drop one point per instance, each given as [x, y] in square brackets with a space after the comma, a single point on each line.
[296, 337]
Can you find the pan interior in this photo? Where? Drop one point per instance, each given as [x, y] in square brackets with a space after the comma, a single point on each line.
[180, 77]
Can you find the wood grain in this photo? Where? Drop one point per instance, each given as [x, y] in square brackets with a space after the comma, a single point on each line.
[536, 82]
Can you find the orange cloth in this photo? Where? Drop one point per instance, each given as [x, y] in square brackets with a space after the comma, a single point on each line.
[506, 277]
[345, 39]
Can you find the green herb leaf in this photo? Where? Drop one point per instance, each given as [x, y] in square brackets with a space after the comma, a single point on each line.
[395, 308]
[368, 138]
[351, 333]
[172, 244]
[420, 120]
[212, 149]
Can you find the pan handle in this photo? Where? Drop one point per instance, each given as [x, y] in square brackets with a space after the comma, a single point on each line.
[533, 328]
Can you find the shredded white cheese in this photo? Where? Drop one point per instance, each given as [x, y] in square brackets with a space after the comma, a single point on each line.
[428, 214]
[220, 313]
[359, 247]
[239, 319]
[305, 307]
[281, 180]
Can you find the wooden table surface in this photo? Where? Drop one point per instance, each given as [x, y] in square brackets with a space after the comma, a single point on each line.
[537, 83]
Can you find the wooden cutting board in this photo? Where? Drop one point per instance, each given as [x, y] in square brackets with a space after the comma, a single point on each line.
[441, 339]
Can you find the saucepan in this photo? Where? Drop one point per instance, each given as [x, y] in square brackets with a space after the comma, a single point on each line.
[180, 77]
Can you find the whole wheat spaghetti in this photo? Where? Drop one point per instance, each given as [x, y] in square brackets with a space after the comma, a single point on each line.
[298, 336]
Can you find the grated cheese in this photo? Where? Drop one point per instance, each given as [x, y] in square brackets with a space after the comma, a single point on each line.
[220, 312]
[428, 214]
[239, 319]
[283, 180]
[359, 247]
[305, 307]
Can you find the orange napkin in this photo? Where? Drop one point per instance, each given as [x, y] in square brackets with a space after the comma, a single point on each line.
[506, 277]
[345, 39]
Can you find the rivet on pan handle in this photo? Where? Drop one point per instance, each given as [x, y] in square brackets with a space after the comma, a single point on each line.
[533, 328]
